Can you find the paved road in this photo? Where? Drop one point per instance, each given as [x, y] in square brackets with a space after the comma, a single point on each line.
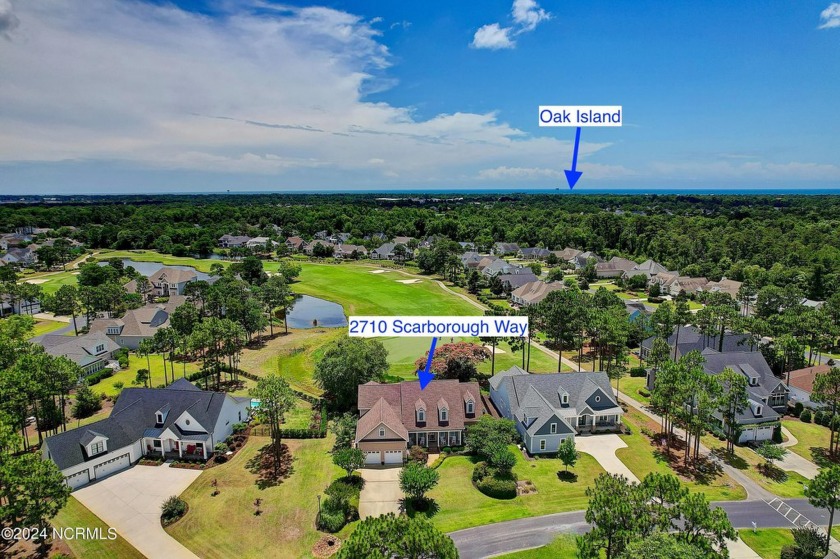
[528, 533]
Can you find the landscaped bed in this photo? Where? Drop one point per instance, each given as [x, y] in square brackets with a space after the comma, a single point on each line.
[460, 505]
[285, 526]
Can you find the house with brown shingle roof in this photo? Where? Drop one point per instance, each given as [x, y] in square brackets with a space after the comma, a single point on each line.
[614, 267]
[533, 292]
[138, 324]
[171, 281]
[688, 284]
[394, 417]
[801, 383]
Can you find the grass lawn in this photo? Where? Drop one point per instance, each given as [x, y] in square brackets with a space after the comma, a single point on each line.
[403, 352]
[811, 437]
[564, 547]
[299, 416]
[46, 326]
[748, 461]
[630, 386]
[362, 292]
[52, 280]
[641, 458]
[292, 356]
[76, 515]
[135, 363]
[286, 527]
[463, 506]
[767, 542]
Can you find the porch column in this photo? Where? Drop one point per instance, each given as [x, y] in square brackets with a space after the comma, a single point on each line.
[180, 449]
[162, 449]
[204, 450]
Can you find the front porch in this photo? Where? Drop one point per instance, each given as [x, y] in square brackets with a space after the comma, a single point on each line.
[172, 449]
[434, 440]
[589, 424]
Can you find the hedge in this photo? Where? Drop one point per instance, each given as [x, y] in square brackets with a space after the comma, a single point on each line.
[637, 372]
[497, 488]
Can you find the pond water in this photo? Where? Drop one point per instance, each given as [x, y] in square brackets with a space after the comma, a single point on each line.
[149, 268]
[306, 309]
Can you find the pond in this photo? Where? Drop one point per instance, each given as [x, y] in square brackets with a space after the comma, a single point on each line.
[149, 268]
[307, 309]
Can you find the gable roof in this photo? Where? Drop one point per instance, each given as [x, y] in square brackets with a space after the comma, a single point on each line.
[615, 263]
[535, 291]
[134, 414]
[691, 339]
[517, 280]
[803, 379]
[752, 365]
[380, 414]
[172, 275]
[79, 349]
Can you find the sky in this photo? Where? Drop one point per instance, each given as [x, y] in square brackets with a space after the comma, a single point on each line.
[129, 96]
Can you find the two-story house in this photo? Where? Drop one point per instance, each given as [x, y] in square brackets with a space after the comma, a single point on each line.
[171, 281]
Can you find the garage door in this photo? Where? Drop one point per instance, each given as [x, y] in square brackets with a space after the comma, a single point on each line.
[79, 479]
[111, 466]
[372, 457]
[393, 456]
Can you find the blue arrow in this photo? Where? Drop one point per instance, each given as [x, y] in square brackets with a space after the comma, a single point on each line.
[427, 375]
[573, 175]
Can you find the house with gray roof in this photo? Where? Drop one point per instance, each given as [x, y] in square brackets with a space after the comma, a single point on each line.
[568, 254]
[615, 267]
[534, 253]
[171, 281]
[550, 408]
[179, 421]
[505, 248]
[232, 241]
[140, 324]
[649, 268]
[470, 260]
[516, 280]
[767, 394]
[92, 351]
[533, 292]
[690, 338]
[501, 267]
[582, 259]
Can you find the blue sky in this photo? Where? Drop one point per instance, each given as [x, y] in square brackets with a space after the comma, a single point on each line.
[127, 96]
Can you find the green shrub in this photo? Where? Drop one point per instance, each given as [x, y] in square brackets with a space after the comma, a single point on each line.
[818, 417]
[643, 392]
[797, 409]
[805, 416]
[331, 520]
[221, 448]
[239, 427]
[480, 471]
[172, 509]
[789, 552]
[498, 487]
[638, 372]
[418, 454]
[777, 434]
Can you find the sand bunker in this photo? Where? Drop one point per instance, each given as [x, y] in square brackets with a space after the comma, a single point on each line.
[36, 281]
[409, 281]
[490, 349]
[379, 271]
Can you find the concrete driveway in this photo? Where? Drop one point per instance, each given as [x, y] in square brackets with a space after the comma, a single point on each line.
[381, 493]
[602, 448]
[130, 501]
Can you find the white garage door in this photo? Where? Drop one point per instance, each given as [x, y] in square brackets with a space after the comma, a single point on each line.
[372, 457]
[393, 456]
[79, 479]
[111, 466]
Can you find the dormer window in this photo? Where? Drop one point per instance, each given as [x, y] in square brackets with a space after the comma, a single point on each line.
[97, 448]
[758, 410]
[158, 417]
[100, 348]
[564, 399]
[421, 416]
[470, 407]
[753, 381]
[444, 414]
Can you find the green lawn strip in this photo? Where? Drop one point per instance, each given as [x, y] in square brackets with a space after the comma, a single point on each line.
[362, 292]
[748, 461]
[299, 416]
[642, 458]
[630, 387]
[461, 505]
[286, 526]
[76, 515]
[563, 547]
[47, 326]
[810, 438]
[135, 363]
[767, 542]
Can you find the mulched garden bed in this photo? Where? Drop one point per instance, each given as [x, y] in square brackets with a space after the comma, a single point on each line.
[327, 546]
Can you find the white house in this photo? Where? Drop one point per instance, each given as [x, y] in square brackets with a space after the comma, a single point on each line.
[177, 421]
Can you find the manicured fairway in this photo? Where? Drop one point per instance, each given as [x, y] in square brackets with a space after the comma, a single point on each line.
[202, 264]
[362, 292]
[76, 515]
[226, 526]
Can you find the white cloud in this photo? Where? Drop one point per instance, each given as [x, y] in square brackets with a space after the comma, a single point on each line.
[830, 17]
[793, 170]
[526, 15]
[278, 92]
[8, 20]
[493, 36]
[590, 171]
